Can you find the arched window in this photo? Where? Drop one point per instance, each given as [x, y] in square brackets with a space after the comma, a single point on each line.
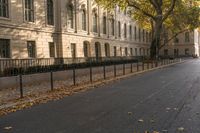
[107, 49]
[104, 24]
[130, 32]
[135, 31]
[112, 26]
[125, 31]
[86, 49]
[70, 16]
[4, 8]
[84, 20]
[187, 37]
[94, 21]
[50, 12]
[139, 32]
[119, 29]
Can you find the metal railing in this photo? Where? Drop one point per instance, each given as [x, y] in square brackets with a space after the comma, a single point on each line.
[13, 67]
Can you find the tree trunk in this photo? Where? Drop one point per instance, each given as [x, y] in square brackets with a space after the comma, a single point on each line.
[156, 38]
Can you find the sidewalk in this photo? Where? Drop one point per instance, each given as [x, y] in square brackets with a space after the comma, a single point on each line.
[41, 92]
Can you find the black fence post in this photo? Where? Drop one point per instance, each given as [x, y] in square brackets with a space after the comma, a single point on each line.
[104, 71]
[137, 66]
[21, 86]
[51, 77]
[115, 73]
[147, 65]
[124, 69]
[74, 76]
[131, 67]
[143, 65]
[156, 63]
[90, 73]
[152, 64]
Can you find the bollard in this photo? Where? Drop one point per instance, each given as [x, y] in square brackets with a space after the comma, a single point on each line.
[124, 69]
[104, 71]
[90, 74]
[131, 67]
[74, 76]
[147, 65]
[143, 66]
[156, 64]
[152, 64]
[21, 86]
[115, 73]
[51, 78]
[137, 66]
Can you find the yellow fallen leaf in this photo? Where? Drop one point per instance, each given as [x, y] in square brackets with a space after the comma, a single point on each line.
[130, 113]
[181, 129]
[140, 120]
[7, 128]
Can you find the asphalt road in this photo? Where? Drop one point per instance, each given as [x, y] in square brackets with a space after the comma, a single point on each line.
[162, 100]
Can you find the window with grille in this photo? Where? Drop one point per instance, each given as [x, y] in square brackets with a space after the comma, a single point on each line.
[94, 22]
[112, 26]
[50, 12]
[84, 20]
[119, 29]
[31, 48]
[4, 48]
[104, 24]
[51, 49]
[29, 10]
[130, 31]
[187, 37]
[4, 12]
[125, 31]
[70, 16]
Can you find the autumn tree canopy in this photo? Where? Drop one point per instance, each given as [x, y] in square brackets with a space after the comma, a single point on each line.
[160, 17]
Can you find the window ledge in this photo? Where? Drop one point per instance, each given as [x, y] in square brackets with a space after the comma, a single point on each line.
[4, 18]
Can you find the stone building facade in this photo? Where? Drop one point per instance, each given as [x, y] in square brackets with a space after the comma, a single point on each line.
[185, 44]
[73, 28]
[67, 28]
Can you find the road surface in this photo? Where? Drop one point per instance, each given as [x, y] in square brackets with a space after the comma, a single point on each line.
[164, 100]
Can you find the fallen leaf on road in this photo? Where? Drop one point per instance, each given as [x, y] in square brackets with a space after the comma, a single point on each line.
[130, 113]
[175, 109]
[7, 128]
[152, 121]
[180, 129]
[140, 120]
[165, 131]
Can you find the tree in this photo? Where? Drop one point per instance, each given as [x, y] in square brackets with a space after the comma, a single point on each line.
[156, 15]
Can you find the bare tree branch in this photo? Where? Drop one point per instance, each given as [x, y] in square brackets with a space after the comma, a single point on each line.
[173, 37]
[138, 8]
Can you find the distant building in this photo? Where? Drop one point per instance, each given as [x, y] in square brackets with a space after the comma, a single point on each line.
[185, 44]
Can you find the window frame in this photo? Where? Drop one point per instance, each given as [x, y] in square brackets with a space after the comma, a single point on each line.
[50, 17]
[7, 9]
[29, 10]
[33, 53]
[8, 48]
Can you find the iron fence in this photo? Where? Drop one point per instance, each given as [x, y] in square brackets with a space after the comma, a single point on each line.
[13, 67]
